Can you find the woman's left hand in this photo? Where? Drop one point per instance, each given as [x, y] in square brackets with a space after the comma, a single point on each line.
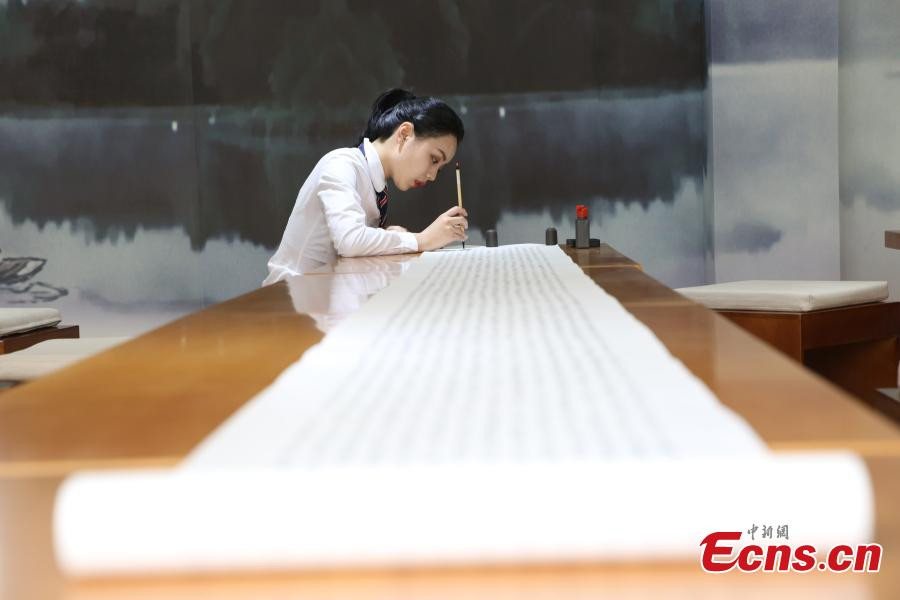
[396, 228]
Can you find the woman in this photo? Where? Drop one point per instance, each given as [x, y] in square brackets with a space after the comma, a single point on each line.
[341, 208]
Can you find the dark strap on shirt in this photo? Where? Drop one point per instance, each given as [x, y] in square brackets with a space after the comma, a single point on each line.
[381, 198]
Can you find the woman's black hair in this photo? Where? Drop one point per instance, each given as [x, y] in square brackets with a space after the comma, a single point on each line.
[430, 117]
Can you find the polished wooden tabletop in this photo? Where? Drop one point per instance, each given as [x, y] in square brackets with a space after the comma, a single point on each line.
[603, 256]
[150, 401]
[892, 239]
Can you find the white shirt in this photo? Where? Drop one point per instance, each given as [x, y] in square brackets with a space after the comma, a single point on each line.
[336, 215]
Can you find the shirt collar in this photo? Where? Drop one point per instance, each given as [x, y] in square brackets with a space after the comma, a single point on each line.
[376, 170]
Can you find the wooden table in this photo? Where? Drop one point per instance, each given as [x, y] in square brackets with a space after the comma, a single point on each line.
[601, 257]
[149, 401]
[892, 239]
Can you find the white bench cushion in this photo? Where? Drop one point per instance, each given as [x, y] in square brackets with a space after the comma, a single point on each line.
[45, 357]
[19, 320]
[788, 296]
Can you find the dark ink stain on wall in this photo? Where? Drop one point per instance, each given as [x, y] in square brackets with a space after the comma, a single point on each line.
[750, 236]
[16, 285]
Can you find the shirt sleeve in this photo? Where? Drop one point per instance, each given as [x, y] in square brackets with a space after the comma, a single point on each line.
[346, 218]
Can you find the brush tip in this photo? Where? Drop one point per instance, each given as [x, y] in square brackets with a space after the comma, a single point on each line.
[457, 164]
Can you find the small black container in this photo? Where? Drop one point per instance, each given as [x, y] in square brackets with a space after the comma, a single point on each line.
[550, 236]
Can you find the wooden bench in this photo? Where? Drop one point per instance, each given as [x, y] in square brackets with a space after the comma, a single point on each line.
[21, 327]
[854, 346]
[19, 341]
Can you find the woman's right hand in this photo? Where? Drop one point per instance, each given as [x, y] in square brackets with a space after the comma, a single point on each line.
[449, 227]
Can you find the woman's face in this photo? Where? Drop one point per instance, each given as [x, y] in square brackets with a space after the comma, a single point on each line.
[419, 159]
